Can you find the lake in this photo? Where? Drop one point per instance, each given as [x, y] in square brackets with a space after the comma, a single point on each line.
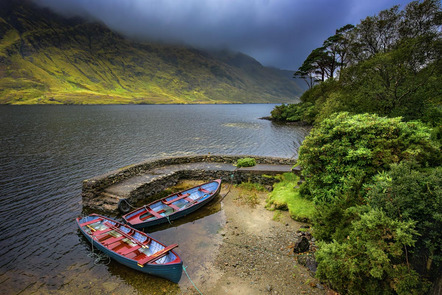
[47, 151]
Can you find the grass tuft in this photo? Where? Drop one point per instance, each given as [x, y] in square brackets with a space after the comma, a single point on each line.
[285, 196]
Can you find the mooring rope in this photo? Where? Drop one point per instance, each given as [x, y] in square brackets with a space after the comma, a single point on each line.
[168, 219]
[185, 271]
[127, 202]
[98, 257]
[232, 176]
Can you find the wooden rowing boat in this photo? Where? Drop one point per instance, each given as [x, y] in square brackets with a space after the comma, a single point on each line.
[173, 206]
[131, 247]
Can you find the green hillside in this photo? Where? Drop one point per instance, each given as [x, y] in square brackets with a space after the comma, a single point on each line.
[45, 58]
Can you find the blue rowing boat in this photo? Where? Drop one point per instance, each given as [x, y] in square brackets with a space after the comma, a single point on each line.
[131, 247]
[173, 206]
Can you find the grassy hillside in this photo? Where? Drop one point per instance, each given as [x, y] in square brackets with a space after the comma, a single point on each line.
[45, 58]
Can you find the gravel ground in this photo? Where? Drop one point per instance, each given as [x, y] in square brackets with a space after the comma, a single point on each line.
[256, 255]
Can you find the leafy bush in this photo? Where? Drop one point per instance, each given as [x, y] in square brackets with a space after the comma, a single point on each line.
[302, 112]
[246, 162]
[371, 260]
[345, 151]
[408, 192]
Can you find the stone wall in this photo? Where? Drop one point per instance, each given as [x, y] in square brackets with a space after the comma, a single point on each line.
[95, 198]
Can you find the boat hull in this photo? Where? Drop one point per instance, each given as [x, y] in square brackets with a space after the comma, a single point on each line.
[170, 272]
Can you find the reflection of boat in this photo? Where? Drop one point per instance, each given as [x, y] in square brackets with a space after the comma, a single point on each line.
[173, 206]
[131, 247]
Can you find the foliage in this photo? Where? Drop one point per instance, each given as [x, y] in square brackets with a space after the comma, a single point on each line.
[343, 152]
[285, 196]
[245, 162]
[407, 192]
[371, 260]
[388, 64]
[304, 112]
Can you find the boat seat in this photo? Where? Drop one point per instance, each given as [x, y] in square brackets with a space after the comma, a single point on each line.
[203, 190]
[91, 222]
[185, 197]
[154, 213]
[112, 240]
[174, 207]
[129, 250]
[100, 232]
[157, 255]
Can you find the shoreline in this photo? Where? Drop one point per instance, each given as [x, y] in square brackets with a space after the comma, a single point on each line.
[256, 253]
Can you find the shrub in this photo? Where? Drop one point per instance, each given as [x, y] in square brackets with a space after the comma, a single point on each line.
[371, 259]
[246, 162]
[408, 192]
[345, 151]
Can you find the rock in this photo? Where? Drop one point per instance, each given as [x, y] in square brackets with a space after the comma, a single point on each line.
[301, 245]
[308, 261]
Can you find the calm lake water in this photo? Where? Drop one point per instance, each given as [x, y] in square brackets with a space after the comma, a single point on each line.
[46, 152]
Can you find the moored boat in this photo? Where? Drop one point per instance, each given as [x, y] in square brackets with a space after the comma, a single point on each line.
[173, 206]
[131, 247]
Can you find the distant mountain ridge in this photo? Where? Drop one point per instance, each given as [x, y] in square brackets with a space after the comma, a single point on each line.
[46, 58]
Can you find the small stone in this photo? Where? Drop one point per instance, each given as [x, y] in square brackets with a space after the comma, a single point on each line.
[301, 245]
[269, 288]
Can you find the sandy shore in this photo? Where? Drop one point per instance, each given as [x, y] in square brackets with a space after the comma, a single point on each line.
[256, 254]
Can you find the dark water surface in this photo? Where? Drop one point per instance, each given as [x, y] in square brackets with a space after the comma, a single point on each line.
[46, 152]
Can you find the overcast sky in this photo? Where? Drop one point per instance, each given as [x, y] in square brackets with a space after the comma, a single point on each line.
[279, 33]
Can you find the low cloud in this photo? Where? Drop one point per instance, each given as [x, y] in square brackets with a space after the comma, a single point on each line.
[279, 33]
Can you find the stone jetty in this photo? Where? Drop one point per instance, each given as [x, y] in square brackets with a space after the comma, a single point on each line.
[142, 181]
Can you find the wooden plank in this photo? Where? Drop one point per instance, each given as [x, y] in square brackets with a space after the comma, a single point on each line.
[100, 232]
[157, 255]
[176, 208]
[129, 250]
[177, 199]
[154, 213]
[90, 222]
[112, 240]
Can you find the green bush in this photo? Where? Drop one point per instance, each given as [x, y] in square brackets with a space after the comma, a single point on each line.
[344, 152]
[246, 162]
[408, 192]
[371, 260]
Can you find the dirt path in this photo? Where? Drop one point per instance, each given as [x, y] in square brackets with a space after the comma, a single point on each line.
[256, 255]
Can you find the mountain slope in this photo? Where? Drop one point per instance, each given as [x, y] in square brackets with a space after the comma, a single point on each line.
[45, 58]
